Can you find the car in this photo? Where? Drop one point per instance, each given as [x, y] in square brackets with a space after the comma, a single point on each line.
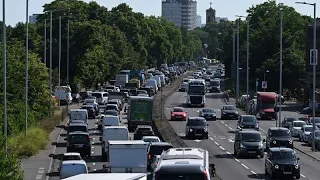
[183, 87]
[296, 127]
[248, 121]
[287, 121]
[156, 149]
[282, 162]
[70, 157]
[178, 113]
[150, 139]
[196, 127]
[208, 114]
[79, 142]
[111, 112]
[142, 130]
[116, 102]
[316, 121]
[77, 127]
[310, 137]
[229, 112]
[72, 168]
[248, 143]
[91, 111]
[112, 107]
[305, 132]
[278, 137]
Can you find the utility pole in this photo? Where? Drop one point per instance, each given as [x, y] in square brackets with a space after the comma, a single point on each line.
[50, 70]
[59, 76]
[45, 44]
[280, 83]
[238, 46]
[248, 46]
[27, 68]
[233, 55]
[4, 47]
[68, 50]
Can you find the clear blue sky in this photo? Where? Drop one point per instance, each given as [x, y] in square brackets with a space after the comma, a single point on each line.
[15, 9]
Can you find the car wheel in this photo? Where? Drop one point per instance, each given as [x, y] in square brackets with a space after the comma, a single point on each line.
[261, 155]
[265, 170]
[298, 176]
[235, 153]
[299, 138]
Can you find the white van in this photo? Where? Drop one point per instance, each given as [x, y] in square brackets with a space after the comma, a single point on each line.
[72, 168]
[152, 83]
[78, 114]
[102, 97]
[109, 120]
[163, 81]
[113, 133]
[157, 78]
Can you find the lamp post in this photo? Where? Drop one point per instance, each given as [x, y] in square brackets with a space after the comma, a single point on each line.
[27, 68]
[59, 76]
[238, 46]
[314, 67]
[4, 47]
[233, 54]
[280, 82]
[264, 78]
[50, 70]
[68, 50]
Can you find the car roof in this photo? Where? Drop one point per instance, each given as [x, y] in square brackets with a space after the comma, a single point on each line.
[298, 121]
[248, 131]
[278, 128]
[228, 105]
[71, 154]
[77, 121]
[77, 124]
[160, 144]
[248, 116]
[79, 132]
[144, 126]
[178, 107]
[196, 118]
[155, 137]
[113, 100]
[110, 110]
[278, 149]
[87, 105]
[74, 162]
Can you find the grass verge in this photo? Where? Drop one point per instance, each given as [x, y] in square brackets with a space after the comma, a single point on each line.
[36, 139]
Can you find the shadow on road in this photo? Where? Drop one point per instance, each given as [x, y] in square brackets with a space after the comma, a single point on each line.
[224, 156]
[51, 174]
[232, 132]
[60, 144]
[95, 159]
[56, 156]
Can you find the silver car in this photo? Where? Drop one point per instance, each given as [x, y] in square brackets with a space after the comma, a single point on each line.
[305, 132]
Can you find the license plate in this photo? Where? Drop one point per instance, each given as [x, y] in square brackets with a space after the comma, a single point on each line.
[198, 134]
[287, 172]
[79, 145]
[251, 151]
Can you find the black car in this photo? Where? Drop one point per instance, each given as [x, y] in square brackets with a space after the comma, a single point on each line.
[196, 127]
[282, 162]
[142, 130]
[79, 142]
[229, 112]
[156, 148]
[278, 137]
[80, 127]
[248, 122]
[287, 121]
[91, 111]
[208, 114]
[248, 143]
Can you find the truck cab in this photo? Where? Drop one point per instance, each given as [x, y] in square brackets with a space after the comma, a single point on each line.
[266, 105]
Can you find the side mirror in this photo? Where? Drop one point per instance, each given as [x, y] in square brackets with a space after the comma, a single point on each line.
[263, 140]
[100, 138]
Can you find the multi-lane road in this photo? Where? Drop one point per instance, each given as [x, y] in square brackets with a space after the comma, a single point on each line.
[221, 139]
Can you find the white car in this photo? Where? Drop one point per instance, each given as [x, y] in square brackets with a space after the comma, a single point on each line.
[296, 127]
[70, 157]
[305, 132]
[151, 139]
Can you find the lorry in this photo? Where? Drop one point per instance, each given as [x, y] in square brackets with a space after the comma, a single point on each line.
[266, 105]
[140, 110]
[127, 157]
[196, 93]
[137, 74]
[104, 176]
[121, 80]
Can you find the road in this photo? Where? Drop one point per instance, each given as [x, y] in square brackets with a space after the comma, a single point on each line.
[220, 142]
[95, 162]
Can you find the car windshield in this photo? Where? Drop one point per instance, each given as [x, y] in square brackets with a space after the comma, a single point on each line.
[215, 83]
[78, 128]
[249, 119]
[178, 110]
[110, 112]
[181, 176]
[111, 107]
[157, 150]
[308, 129]
[268, 105]
[316, 120]
[291, 119]
[71, 157]
[230, 108]
[144, 130]
[79, 139]
[280, 133]
[196, 90]
[283, 155]
[208, 110]
[97, 95]
[87, 108]
[298, 124]
[196, 122]
[151, 140]
[251, 137]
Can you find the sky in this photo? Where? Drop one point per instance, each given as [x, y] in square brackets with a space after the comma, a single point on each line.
[16, 9]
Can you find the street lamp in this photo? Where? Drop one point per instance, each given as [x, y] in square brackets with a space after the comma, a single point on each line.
[238, 47]
[4, 47]
[280, 82]
[264, 78]
[248, 29]
[27, 68]
[314, 67]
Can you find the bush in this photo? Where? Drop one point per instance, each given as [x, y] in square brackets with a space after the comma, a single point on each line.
[10, 166]
[21, 145]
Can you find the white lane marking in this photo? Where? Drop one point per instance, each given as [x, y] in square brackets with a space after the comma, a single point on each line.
[54, 150]
[94, 169]
[228, 152]
[253, 172]
[92, 147]
[263, 130]
[39, 176]
[244, 166]
[222, 122]
[222, 148]
[236, 159]
[230, 140]
[226, 125]
[302, 175]
[92, 152]
[93, 164]
[197, 140]
[216, 143]
[211, 139]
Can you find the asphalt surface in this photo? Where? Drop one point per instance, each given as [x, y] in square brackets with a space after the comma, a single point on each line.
[221, 139]
[95, 161]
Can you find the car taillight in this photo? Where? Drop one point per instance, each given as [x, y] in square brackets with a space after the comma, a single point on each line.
[205, 174]
[149, 156]
[184, 115]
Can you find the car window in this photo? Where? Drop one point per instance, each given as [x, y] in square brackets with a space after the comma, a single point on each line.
[97, 95]
[290, 119]
[112, 113]
[280, 133]
[299, 124]
[208, 110]
[178, 110]
[181, 176]
[316, 120]
[249, 119]
[308, 129]
[197, 122]
[78, 128]
[157, 150]
[250, 137]
[71, 157]
[79, 139]
[144, 129]
[230, 108]
[290, 155]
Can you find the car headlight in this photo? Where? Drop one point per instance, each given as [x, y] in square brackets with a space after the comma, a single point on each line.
[191, 130]
[274, 142]
[223, 112]
[290, 142]
[296, 166]
[261, 144]
[205, 130]
[242, 146]
[276, 166]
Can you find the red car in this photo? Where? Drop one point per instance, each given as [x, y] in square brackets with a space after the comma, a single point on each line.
[178, 113]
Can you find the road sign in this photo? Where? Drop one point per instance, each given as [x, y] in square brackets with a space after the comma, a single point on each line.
[313, 56]
[61, 92]
[257, 83]
[264, 84]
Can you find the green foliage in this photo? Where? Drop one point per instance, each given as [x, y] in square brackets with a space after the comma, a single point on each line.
[10, 166]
